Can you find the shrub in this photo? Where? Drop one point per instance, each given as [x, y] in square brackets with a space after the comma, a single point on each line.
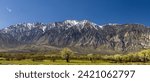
[38, 58]
[19, 57]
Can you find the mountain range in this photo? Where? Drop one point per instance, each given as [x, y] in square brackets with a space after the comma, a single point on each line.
[81, 36]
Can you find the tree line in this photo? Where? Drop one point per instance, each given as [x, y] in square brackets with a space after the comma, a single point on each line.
[68, 55]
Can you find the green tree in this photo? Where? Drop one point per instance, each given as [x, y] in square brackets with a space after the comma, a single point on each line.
[144, 55]
[53, 58]
[66, 53]
[91, 57]
[131, 57]
[118, 58]
[125, 58]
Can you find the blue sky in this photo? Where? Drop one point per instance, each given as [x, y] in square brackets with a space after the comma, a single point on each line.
[98, 11]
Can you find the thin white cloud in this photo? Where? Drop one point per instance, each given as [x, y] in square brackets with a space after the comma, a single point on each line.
[9, 10]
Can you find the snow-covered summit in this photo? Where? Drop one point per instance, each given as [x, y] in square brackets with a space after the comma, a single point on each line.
[68, 24]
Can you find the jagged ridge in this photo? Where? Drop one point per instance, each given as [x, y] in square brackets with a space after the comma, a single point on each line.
[82, 36]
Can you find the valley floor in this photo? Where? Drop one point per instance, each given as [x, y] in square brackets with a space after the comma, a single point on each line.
[63, 62]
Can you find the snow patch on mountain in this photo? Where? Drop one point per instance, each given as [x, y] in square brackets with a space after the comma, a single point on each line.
[44, 28]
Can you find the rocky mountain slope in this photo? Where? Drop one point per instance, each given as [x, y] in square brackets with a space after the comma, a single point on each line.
[81, 36]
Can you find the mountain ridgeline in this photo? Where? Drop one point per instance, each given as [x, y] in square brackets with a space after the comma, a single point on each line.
[81, 36]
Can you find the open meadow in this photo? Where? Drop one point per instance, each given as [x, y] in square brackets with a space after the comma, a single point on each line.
[67, 57]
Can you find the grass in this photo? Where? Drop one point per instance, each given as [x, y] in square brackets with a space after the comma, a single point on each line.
[136, 58]
[63, 62]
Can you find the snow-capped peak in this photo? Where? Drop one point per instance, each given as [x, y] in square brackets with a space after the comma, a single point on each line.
[5, 30]
[75, 22]
[66, 24]
[72, 22]
[112, 24]
[29, 25]
[44, 28]
[100, 26]
[84, 21]
[80, 24]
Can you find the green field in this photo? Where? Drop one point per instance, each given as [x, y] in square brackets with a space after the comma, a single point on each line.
[68, 57]
[63, 62]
